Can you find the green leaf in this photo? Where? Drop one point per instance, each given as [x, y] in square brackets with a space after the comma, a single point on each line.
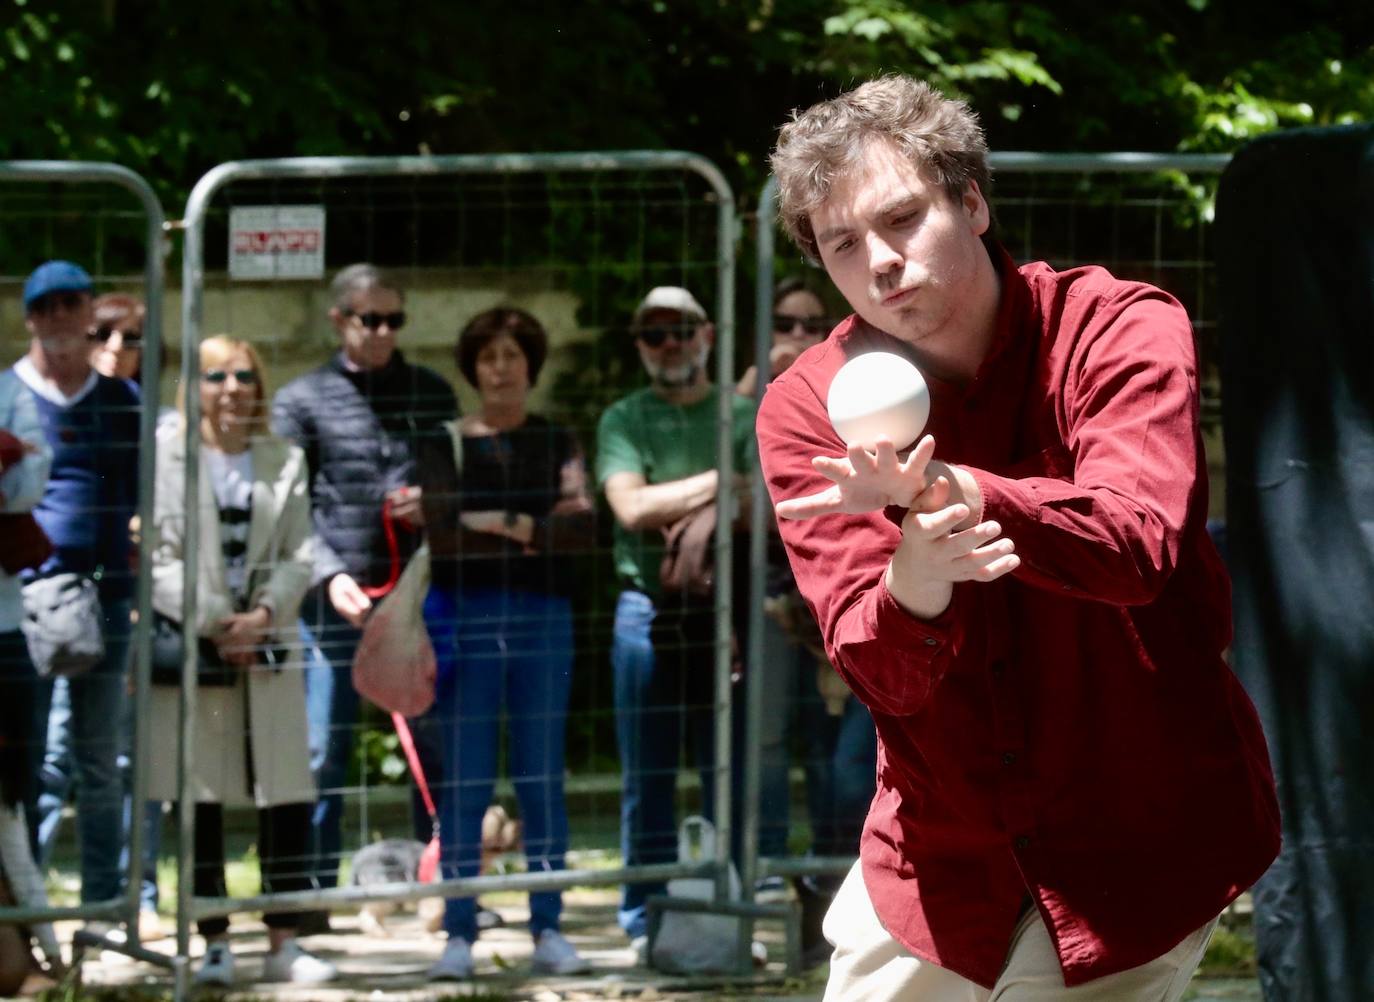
[18, 46]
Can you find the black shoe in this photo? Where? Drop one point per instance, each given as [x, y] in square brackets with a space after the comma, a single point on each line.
[314, 923]
[815, 902]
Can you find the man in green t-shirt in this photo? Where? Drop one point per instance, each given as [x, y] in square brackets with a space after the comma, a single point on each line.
[656, 461]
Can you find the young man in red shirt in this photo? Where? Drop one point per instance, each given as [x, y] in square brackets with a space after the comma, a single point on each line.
[1071, 783]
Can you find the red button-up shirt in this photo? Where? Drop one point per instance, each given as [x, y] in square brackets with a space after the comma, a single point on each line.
[1069, 731]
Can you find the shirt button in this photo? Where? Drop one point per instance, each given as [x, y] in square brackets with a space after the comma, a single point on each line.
[1022, 842]
[998, 669]
[931, 641]
[1009, 758]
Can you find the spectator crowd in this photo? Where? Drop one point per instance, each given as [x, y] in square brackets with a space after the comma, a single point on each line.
[312, 503]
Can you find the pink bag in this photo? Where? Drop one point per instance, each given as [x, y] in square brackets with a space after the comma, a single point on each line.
[394, 664]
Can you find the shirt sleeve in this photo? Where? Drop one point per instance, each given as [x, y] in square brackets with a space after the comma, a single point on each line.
[1110, 527]
[616, 449]
[23, 482]
[889, 658]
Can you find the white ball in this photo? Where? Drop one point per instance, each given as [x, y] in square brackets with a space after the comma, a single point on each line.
[878, 393]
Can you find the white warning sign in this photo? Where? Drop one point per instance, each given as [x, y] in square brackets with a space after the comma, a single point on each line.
[276, 241]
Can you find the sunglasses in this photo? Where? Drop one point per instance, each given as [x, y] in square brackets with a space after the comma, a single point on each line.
[46, 303]
[656, 335]
[815, 326]
[129, 338]
[373, 320]
[245, 377]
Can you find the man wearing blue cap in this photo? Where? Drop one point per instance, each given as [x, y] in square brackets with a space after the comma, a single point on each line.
[91, 424]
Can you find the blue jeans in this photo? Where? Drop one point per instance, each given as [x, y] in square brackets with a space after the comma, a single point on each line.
[842, 781]
[492, 645]
[85, 718]
[839, 753]
[331, 707]
[664, 670]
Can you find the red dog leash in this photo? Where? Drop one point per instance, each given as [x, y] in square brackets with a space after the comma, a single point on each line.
[429, 859]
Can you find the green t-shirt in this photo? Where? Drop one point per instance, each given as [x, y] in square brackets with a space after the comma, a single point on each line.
[645, 434]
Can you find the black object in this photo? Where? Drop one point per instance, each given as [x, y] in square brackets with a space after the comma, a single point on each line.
[168, 649]
[1295, 254]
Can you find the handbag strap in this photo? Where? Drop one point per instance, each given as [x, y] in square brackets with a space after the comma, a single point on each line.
[416, 770]
[393, 551]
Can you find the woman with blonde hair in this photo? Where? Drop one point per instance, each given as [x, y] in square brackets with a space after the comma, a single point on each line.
[253, 541]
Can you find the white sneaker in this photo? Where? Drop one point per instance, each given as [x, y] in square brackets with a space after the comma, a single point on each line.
[640, 945]
[770, 891]
[553, 954]
[455, 963]
[216, 967]
[291, 963]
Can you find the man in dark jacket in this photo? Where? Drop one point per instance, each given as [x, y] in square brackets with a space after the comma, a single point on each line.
[359, 418]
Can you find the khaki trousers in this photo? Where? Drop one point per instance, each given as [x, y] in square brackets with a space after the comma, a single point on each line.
[868, 964]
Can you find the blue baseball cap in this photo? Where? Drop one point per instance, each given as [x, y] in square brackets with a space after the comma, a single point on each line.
[55, 276]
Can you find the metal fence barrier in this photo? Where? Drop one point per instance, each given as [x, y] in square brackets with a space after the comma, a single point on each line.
[459, 190]
[78, 225]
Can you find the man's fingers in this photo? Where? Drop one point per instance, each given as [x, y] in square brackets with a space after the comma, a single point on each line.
[884, 453]
[994, 570]
[826, 502]
[934, 497]
[920, 457]
[987, 563]
[934, 524]
[971, 539]
[833, 469]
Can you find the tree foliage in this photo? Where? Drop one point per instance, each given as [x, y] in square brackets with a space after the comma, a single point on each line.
[170, 89]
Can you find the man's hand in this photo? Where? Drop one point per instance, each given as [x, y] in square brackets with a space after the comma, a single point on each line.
[934, 553]
[406, 507]
[240, 634]
[865, 481]
[348, 599]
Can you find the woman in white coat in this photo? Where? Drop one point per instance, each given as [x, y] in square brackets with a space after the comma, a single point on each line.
[253, 537]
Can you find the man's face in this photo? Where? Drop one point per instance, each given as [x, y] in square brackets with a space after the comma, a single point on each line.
[905, 256]
[60, 322]
[672, 347]
[368, 327]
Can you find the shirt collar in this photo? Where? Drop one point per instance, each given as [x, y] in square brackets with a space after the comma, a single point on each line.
[48, 391]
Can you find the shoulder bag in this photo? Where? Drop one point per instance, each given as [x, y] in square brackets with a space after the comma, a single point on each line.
[63, 624]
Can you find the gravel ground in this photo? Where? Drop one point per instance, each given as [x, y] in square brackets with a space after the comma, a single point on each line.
[392, 967]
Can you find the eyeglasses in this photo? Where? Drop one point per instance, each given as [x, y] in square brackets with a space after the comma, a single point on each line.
[128, 338]
[656, 335]
[47, 302]
[815, 326]
[245, 377]
[373, 320]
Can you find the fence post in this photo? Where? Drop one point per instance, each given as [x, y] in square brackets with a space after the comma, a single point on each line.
[122, 177]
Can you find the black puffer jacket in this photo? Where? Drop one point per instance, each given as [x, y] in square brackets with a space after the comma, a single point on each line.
[360, 432]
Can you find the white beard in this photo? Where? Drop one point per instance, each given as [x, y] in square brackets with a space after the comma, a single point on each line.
[678, 376]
